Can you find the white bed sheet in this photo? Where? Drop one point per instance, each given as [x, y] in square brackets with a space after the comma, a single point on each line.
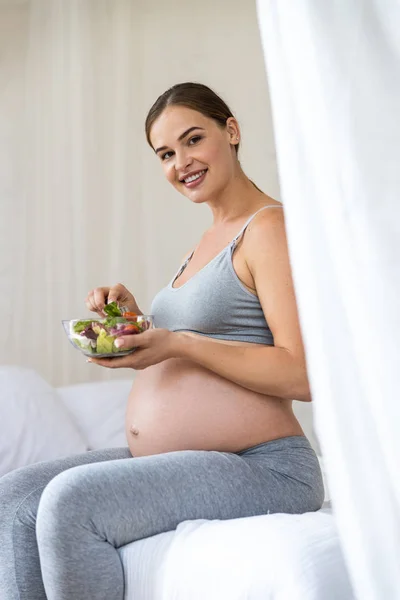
[270, 557]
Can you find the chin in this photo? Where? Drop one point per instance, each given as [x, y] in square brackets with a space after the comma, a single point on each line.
[200, 199]
[197, 198]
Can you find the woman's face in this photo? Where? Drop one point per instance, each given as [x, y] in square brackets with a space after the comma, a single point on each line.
[197, 155]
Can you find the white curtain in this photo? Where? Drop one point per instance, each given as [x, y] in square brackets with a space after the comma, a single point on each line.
[334, 74]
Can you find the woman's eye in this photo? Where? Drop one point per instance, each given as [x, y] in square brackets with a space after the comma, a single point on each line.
[165, 155]
[195, 139]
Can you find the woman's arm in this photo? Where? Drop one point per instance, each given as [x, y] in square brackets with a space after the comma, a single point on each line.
[278, 370]
[265, 369]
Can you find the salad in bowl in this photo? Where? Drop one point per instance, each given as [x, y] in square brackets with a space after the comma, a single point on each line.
[97, 336]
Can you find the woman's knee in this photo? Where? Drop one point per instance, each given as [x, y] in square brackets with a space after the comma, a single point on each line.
[63, 501]
[21, 479]
[20, 492]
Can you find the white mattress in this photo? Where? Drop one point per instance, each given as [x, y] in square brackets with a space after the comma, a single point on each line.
[271, 557]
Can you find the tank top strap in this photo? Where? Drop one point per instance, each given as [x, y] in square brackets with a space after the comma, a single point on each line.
[183, 267]
[249, 220]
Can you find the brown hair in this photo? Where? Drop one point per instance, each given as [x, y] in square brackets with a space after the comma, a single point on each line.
[192, 95]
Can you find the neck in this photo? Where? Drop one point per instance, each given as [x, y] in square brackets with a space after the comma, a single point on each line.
[238, 199]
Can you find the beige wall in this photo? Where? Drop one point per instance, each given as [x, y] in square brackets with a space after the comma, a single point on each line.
[74, 148]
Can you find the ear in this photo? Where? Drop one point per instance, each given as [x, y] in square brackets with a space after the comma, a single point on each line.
[232, 128]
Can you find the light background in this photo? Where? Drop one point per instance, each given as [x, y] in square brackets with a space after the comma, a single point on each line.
[83, 199]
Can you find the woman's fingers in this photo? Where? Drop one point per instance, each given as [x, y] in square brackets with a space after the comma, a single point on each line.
[116, 293]
[127, 342]
[96, 300]
[99, 297]
[89, 301]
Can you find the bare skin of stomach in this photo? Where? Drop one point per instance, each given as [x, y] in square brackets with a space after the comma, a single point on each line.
[179, 405]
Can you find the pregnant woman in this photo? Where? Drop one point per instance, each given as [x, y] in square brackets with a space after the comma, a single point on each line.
[209, 422]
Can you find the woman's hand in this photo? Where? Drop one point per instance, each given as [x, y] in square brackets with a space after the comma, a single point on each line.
[152, 347]
[99, 297]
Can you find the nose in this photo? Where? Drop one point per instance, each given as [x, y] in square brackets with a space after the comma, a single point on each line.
[182, 160]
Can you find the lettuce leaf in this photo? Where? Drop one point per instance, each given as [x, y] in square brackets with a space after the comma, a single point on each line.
[85, 346]
[112, 310]
[112, 321]
[81, 325]
[104, 343]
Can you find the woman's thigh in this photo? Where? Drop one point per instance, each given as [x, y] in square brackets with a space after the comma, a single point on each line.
[32, 479]
[123, 501]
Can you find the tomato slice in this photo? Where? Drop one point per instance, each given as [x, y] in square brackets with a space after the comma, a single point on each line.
[129, 315]
[131, 327]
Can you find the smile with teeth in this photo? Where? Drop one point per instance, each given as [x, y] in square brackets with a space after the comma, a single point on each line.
[194, 177]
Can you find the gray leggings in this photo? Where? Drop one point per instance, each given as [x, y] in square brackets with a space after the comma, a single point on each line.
[62, 522]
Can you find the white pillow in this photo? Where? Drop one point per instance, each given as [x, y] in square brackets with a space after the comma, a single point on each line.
[99, 410]
[34, 424]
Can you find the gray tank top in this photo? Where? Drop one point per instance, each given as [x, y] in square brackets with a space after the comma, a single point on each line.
[214, 302]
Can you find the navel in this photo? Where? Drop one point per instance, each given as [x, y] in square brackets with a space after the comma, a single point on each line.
[134, 430]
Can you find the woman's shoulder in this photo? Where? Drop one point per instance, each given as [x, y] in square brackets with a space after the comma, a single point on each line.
[267, 216]
[265, 229]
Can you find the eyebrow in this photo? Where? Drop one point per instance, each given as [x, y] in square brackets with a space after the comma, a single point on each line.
[184, 134]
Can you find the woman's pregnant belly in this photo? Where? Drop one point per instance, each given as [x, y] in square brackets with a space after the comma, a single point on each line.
[178, 405]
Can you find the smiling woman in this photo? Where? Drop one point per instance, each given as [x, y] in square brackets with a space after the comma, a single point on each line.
[209, 421]
[191, 151]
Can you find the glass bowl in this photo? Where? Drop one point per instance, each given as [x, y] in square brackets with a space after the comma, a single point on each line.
[96, 336]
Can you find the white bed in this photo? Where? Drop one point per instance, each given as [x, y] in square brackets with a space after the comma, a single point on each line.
[270, 557]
